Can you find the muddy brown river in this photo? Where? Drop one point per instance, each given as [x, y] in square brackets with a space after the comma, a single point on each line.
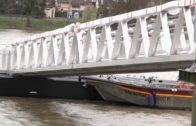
[15, 111]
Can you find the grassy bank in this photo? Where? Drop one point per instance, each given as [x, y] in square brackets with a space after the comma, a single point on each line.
[37, 24]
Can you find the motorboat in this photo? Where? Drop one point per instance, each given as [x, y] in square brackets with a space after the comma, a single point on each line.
[143, 91]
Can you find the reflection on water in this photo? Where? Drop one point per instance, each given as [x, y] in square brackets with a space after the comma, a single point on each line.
[52, 112]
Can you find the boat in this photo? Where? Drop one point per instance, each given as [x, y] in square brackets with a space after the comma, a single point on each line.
[150, 92]
[41, 87]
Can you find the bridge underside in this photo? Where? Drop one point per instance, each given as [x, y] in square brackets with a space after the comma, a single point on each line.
[136, 65]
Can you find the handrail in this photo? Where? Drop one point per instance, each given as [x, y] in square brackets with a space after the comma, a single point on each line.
[110, 20]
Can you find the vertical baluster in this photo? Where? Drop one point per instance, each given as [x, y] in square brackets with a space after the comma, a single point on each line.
[166, 43]
[190, 27]
[126, 39]
[18, 53]
[62, 54]
[40, 53]
[109, 41]
[67, 47]
[101, 44]
[155, 36]
[73, 55]
[23, 57]
[135, 45]
[86, 47]
[145, 37]
[32, 55]
[51, 55]
[93, 41]
[55, 49]
[177, 33]
[79, 41]
[117, 42]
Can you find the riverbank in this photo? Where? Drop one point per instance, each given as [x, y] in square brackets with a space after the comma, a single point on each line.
[38, 24]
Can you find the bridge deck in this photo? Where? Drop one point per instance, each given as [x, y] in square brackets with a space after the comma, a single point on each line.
[136, 65]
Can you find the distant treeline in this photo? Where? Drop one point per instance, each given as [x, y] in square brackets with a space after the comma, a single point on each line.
[34, 8]
[122, 6]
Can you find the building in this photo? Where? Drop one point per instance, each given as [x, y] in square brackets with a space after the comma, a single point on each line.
[50, 9]
[62, 5]
[73, 8]
[50, 12]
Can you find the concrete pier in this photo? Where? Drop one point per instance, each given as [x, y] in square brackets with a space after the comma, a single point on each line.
[189, 76]
[194, 109]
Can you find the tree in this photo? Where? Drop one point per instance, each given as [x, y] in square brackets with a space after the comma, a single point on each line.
[33, 8]
[121, 6]
[2, 6]
[29, 8]
[89, 14]
[8, 6]
[130, 5]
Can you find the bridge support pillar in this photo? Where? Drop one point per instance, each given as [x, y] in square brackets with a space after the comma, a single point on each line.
[189, 76]
[193, 123]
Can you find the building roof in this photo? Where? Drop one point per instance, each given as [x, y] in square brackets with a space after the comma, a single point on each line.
[73, 3]
[62, 1]
[50, 3]
[76, 3]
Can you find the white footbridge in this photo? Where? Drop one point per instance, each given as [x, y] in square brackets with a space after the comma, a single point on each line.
[158, 38]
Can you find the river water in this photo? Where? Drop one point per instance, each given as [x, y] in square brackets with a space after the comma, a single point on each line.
[16, 111]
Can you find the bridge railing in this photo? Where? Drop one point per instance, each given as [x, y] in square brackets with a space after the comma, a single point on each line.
[161, 30]
[4, 57]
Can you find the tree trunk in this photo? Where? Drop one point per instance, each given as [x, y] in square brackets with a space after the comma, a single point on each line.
[28, 22]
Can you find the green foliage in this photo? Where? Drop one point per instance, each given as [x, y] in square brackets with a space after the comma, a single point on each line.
[118, 7]
[61, 14]
[9, 7]
[40, 24]
[34, 8]
[89, 14]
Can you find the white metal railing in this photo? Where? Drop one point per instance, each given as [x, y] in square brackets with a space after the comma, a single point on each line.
[161, 30]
